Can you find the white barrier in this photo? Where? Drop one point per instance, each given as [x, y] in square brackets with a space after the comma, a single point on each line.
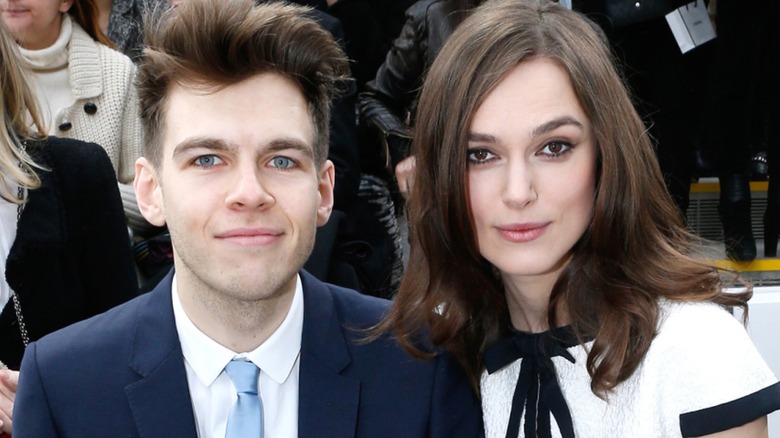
[764, 329]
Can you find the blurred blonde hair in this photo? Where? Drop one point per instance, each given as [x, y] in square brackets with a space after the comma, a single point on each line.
[17, 109]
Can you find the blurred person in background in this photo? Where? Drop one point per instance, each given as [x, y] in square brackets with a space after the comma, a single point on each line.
[122, 22]
[84, 88]
[63, 240]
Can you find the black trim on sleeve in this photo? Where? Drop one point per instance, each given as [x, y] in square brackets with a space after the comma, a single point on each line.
[731, 414]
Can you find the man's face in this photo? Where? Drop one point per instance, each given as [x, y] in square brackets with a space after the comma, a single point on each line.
[238, 187]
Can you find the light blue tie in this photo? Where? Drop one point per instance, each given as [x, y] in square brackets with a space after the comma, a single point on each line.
[246, 417]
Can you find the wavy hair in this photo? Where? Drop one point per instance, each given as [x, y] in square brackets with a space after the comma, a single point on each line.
[18, 108]
[635, 251]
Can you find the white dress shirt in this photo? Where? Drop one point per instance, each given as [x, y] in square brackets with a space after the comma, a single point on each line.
[211, 390]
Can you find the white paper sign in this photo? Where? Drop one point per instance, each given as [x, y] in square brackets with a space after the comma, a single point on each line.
[691, 25]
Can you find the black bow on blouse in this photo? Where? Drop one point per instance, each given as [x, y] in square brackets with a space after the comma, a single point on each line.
[537, 391]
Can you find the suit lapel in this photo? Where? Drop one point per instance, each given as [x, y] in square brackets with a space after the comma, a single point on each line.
[327, 401]
[160, 400]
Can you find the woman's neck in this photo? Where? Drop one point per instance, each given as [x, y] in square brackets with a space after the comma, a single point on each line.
[54, 55]
[528, 300]
[41, 40]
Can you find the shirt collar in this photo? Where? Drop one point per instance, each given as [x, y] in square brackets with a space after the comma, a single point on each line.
[275, 357]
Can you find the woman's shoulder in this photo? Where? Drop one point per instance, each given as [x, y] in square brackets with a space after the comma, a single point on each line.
[84, 42]
[703, 360]
[697, 329]
[700, 343]
[679, 320]
[86, 53]
[64, 147]
[71, 157]
[115, 60]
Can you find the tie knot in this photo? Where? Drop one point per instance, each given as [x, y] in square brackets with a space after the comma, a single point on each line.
[244, 375]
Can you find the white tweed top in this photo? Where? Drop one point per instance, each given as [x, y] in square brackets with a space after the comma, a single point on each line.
[701, 358]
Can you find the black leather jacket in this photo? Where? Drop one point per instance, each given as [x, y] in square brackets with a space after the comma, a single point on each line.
[390, 97]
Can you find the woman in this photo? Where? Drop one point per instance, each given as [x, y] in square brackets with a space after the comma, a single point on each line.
[548, 256]
[63, 239]
[84, 88]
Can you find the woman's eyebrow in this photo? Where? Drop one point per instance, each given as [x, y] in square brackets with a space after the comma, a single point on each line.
[554, 124]
[482, 138]
[538, 131]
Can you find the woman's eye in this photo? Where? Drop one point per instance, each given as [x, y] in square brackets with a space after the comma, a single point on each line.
[479, 155]
[208, 160]
[282, 162]
[555, 149]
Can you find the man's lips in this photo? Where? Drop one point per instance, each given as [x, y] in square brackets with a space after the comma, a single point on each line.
[522, 232]
[250, 236]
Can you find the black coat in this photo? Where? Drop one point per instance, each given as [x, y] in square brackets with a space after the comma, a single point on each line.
[392, 95]
[71, 257]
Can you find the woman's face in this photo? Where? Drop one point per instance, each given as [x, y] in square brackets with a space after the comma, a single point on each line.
[35, 24]
[531, 174]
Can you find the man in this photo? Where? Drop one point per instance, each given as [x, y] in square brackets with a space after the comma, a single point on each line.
[234, 101]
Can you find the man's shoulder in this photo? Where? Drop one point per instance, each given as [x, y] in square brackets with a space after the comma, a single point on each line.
[350, 306]
[358, 318]
[399, 394]
[94, 336]
[359, 308]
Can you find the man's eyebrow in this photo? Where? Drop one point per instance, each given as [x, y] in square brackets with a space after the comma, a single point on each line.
[217, 145]
[190, 143]
[287, 143]
[538, 131]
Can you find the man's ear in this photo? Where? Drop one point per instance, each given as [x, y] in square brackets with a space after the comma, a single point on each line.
[148, 192]
[325, 187]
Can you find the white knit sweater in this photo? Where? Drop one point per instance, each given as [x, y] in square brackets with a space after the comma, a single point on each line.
[105, 110]
[702, 357]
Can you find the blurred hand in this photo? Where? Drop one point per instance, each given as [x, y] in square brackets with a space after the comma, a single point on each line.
[8, 381]
[404, 174]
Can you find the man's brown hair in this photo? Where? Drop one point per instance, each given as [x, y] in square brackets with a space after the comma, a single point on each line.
[208, 45]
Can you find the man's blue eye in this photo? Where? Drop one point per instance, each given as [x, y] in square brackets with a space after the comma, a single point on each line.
[282, 162]
[207, 160]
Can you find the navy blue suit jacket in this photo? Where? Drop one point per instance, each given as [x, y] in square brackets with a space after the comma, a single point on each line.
[122, 373]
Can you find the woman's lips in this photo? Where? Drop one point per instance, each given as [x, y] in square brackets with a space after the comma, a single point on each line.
[519, 233]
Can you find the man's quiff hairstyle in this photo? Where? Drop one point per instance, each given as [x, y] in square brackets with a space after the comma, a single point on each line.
[211, 44]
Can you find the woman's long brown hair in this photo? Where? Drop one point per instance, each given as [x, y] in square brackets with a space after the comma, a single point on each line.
[86, 14]
[636, 250]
